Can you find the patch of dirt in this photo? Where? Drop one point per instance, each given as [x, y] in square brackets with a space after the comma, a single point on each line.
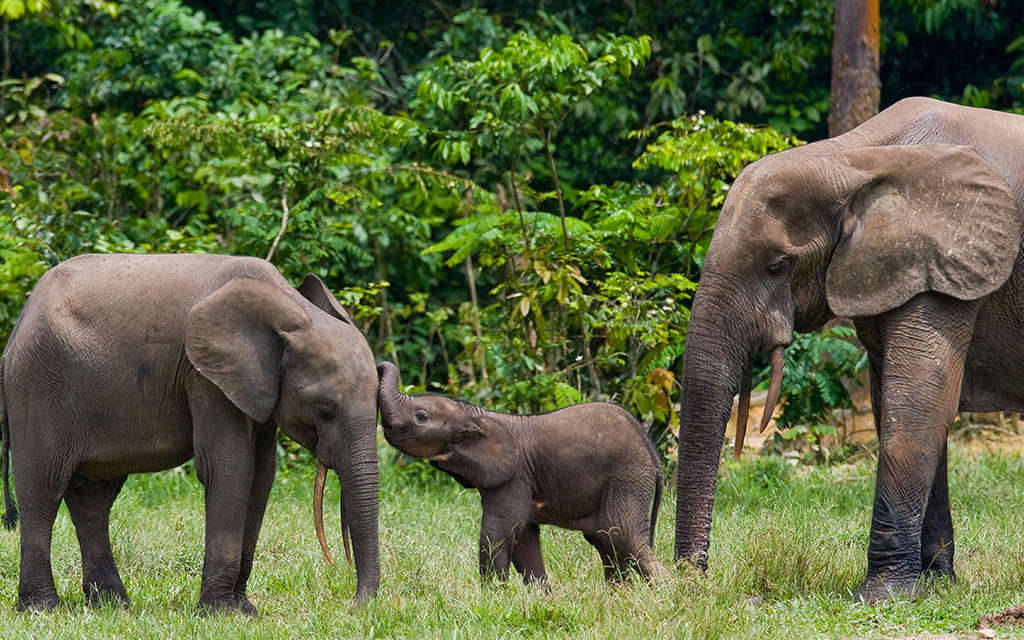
[976, 432]
[1009, 615]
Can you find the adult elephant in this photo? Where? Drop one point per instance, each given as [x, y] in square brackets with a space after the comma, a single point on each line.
[910, 225]
[132, 363]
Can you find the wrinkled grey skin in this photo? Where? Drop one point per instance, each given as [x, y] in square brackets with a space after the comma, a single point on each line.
[125, 364]
[590, 468]
[910, 225]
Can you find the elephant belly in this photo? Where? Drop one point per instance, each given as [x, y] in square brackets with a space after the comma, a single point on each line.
[571, 521]
[125, 445]
[114, 464]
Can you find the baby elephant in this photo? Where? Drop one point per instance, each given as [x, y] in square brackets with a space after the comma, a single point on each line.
[589, 467]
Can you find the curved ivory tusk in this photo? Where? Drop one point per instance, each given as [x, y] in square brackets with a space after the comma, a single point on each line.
[344, 532]
[774, 386]
[318, 510]
[744, 409]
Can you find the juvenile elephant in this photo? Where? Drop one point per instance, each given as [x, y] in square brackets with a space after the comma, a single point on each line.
[589, 467]
[124, 364]
[910, 225]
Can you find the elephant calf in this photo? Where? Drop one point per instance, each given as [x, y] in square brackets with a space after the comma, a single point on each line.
[589, 467]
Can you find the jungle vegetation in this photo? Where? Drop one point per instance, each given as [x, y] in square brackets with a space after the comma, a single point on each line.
[513, 197]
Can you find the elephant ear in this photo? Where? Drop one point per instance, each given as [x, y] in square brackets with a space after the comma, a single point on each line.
[930, 217]
[314, 290]
[235, 337]
[484, 453]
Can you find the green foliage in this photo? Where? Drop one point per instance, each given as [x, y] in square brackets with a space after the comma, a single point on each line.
[495, 193]
[14, 9]
[816, 367]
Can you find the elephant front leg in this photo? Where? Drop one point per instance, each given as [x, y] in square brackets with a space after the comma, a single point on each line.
[937, 528]
[89, 504]
[505, 516]
[262, 482]
[225, 455]
[527, 557]
[924, 344]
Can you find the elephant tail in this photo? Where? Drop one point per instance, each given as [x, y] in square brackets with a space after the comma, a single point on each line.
[10, 517]
[659, 486]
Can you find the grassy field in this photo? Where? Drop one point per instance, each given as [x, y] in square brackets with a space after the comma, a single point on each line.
[788, 549]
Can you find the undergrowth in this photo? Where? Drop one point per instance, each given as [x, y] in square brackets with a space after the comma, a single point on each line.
[788, 550]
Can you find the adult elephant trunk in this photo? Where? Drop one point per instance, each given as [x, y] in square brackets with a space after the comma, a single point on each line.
[358, 474]
[715, 361]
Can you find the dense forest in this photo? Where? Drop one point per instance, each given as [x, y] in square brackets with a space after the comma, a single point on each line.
[513, 198]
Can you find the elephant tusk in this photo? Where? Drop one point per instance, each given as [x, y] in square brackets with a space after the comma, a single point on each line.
[344, 532]
[774, 386]
[439, 458]
[318, 510]
[743, 410]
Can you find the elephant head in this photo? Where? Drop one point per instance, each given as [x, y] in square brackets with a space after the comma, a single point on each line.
[298, 361]
[816, 232]
[465, 441]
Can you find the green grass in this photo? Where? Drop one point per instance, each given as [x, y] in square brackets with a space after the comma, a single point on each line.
[788, 549]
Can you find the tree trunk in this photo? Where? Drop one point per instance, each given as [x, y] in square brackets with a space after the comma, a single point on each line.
[7, 62]
[855, 65]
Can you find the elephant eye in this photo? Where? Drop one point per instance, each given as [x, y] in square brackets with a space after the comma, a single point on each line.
[324, 412]
[779, 265]
[420, 417]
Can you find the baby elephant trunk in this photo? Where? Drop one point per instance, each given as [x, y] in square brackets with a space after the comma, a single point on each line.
[389, 398]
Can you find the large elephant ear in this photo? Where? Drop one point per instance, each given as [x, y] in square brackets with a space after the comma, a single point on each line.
[484, 453]
[235, 337]
[930, 217]
[314, 290]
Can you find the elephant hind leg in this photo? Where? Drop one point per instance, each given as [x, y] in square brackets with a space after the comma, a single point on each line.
[89, 503]
[40, 497]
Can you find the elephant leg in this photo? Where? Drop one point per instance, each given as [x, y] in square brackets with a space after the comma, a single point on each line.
[615, 570]
[262, 482]
[526, 555]
[36, 588]
[924, 344]
[625, 521]
[505, 517]
[225, 448]
[41, 477]
[89, 504]
[937, 528]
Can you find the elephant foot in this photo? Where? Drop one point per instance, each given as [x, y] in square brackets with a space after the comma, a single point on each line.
[941, 566]
[37, 604]
[880, 589]
[228, 606]
[98, 598]
[247, 608]
[99, 594]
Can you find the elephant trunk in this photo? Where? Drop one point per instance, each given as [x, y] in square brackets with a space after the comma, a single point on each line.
[716, 363]
[360, 495]
[389, 398]
[355, 462]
